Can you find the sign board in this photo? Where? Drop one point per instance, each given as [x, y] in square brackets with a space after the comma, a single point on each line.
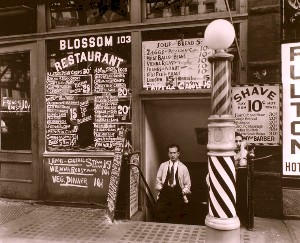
[290, 54]
[176, 64]
[84, 178]
[87, 92]
[256, 109]
[115, 177]
[88, 106]
[134, 182]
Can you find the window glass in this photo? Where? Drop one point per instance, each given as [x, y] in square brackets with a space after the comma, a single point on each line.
[169, 8]
[291, 20]
[88, 92]
[87, 12]
[21, 16]
[15, 110]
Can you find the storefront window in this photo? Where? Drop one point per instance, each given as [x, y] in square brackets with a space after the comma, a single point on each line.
[17, 17]
[87, 12]
[290, 20]
[88, 93]
[15, 111]
[168, 8]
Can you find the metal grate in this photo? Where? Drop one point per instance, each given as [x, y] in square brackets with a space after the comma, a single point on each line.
[67, 225]
[150, 232]
[10, 211]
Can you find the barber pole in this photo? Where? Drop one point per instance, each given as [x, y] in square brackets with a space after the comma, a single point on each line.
[221, 146]
[221, 73]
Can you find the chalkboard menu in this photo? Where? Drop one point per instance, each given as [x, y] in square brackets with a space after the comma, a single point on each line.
[115, 177]
[176, 64]
[79, 178]
[134, 183]
[88, 94]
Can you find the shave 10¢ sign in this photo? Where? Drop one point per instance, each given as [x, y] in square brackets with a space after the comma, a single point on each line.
[256, 109]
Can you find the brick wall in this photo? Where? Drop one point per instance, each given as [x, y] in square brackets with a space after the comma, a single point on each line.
[264, 53]
[264, 41]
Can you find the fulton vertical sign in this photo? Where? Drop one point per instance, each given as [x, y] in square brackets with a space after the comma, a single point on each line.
[291, 108]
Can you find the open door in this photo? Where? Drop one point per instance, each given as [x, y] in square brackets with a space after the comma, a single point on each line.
[18, 115]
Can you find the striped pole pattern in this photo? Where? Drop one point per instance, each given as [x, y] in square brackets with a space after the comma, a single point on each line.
[221, 144]
[221, 73]
[222, 193]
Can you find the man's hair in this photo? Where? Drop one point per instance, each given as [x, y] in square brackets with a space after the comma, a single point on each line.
[238, 134]
[173, 145]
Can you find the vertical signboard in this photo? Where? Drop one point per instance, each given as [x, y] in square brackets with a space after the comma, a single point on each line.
[114, 181]
[257, 113]
[291, 108]
[134, 182]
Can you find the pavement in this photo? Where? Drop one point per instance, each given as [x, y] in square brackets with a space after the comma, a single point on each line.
[32, 222]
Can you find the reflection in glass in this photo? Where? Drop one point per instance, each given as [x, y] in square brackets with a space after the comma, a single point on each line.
[15, 110]
[17, 17]
[168, 8]
[82, 12]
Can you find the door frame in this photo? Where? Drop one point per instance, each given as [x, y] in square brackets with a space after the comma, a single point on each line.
[26, 157]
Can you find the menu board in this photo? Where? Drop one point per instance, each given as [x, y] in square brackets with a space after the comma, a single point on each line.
[88, 97]
[176, 64]
[115, 176]
[256, 109]
[134, 182]
[82, 177]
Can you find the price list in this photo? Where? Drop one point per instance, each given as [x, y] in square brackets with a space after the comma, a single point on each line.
[112, 105]
[176, 64]
[59, 132]
[87, 111]
[257, 113]
[68, 84]
[115, 176]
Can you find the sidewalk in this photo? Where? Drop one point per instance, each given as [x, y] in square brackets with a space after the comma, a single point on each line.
[26, 222]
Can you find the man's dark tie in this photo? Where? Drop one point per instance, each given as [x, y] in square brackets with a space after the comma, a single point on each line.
[171, 179]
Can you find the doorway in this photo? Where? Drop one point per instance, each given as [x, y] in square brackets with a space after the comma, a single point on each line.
[18, 115]
[179, 121]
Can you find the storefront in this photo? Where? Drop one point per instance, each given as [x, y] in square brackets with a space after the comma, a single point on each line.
[84, 73]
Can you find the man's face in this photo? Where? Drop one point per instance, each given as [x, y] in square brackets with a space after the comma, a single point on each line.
[173, 154]
[238, 141]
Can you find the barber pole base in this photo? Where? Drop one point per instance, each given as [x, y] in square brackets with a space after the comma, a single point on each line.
[222, 176]
[222, 224]
[216, 236]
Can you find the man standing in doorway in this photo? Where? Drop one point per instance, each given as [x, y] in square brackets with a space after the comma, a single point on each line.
[240, 157]
[173, 184]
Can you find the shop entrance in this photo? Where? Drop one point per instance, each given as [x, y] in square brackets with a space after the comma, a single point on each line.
[183, 122]
[18, 114]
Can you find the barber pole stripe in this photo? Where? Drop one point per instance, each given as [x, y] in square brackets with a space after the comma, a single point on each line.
[222, 193]
[221, 88]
